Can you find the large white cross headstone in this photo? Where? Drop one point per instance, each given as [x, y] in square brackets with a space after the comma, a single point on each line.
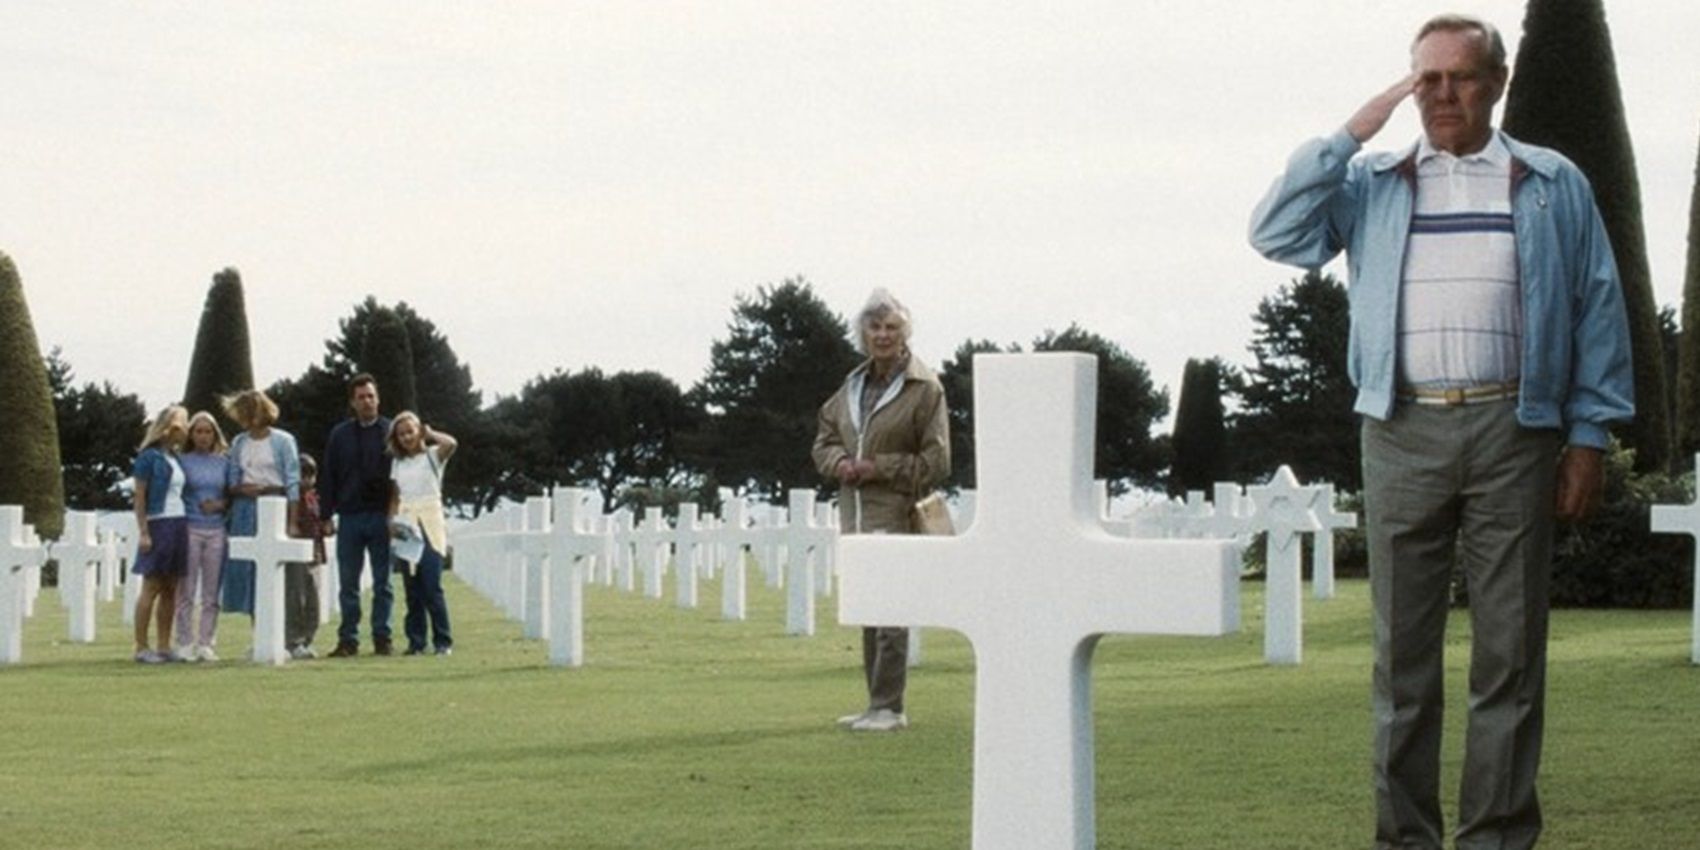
[1284, 511]
[79, 552]
[1033, 584]
[270, 548]
[1684, 519]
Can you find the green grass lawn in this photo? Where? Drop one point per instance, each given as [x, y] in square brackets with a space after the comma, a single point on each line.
[683, 732]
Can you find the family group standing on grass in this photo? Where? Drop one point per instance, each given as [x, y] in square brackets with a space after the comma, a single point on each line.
[193, 491]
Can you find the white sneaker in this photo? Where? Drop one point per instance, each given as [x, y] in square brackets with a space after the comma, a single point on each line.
[205, 653]
[184, 654]
[850, 720]
[881, 720]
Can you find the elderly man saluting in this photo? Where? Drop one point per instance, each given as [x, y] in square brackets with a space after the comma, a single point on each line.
[1490, 353]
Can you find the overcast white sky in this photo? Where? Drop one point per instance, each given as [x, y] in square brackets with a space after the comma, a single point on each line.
[574, 184]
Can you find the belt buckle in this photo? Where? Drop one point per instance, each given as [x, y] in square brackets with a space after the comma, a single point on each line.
[1454, 396]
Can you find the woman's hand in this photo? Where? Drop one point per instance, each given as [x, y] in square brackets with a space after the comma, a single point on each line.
[144, 543]
[846, 472]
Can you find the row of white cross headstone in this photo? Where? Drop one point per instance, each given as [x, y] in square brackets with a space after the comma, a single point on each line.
[93, 554]
[533, 559]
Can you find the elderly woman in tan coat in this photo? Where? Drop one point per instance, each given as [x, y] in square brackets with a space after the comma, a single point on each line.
[885, 437]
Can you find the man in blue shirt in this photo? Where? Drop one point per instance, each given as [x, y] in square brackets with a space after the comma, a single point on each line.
[1490, 351]
[354, 487]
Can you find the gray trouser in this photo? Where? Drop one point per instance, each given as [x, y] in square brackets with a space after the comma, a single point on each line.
[1468, 483]
[300, 604]
[885, 662]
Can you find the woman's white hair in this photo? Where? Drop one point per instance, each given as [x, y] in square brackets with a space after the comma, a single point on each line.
[880, 303]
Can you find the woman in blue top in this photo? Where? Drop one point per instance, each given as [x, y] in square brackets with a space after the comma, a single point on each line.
[267, 464]
[162, 529]
[210, 476]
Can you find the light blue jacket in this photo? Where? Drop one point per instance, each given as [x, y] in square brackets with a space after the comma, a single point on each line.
[1575, 363]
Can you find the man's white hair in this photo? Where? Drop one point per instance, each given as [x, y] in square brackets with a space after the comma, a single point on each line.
[880, 303]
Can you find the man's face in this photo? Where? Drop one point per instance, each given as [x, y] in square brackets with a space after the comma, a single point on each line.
[365, 402]
[1456, 90]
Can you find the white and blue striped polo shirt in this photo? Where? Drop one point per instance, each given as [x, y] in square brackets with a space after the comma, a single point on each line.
[1460, 308]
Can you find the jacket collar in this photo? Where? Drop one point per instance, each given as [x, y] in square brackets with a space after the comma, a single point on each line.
[1525, 158]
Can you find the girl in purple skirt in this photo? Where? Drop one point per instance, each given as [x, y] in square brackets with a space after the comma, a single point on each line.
[162, 530]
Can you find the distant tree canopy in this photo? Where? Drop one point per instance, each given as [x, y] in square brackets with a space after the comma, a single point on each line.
[29, 442]
[1564, 94]
[442, 392]
[1126, 455]
[222, 363]
[786, 353]
[1200, 441]
[957, 376]
[386, 354]
[99, 428]
[1129, 404]
[1688, 373]
[588, 429]
[1296, 399]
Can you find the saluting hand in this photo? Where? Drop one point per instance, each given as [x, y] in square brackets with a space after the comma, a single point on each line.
[1372, 116]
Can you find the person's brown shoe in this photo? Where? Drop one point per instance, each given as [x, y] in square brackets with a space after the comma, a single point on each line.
[381, 646]
[346, 649]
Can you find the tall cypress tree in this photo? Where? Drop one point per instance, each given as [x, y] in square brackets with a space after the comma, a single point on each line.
[1688, 373]
[388, 356]
[29, 440]
[1564, 95]
[222, 363]
[1200, 435]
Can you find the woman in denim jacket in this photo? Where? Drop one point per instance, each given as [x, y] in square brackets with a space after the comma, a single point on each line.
[267, 464]
[161, 530]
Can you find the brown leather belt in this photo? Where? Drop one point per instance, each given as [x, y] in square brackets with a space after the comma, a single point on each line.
[1456, 396]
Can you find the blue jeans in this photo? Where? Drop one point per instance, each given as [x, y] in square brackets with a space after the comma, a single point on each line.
[423, 584]
[363, 536]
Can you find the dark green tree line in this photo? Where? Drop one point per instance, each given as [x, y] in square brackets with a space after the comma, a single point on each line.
[785, 353]
[29, 442]
[222, 362]
[98, 431]
[1564, 94]
[1296, 398]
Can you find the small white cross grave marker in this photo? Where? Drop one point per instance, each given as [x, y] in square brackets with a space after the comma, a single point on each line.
[78, 552]
[1322, 554]
[572, 542]
[111, 561]
[653, 540]
[16, 554]
[534, 546]
[804, 543]
[270, 548]
[734, 579]
[688, 536]
[1033, 584]
[1684, 519]
[1284, 511]
[620, 534]
[35, 557]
